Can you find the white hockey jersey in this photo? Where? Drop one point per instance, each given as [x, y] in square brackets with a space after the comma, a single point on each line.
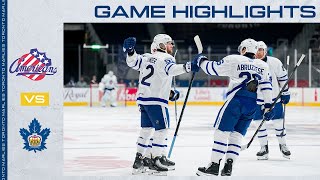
[110, 82]
[155, 79]
[241, 70]
[279, 77]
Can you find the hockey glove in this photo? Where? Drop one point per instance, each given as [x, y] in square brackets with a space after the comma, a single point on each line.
[128, 45]
[268, 114]
[196, 62]
[285, 97]
[174, 95]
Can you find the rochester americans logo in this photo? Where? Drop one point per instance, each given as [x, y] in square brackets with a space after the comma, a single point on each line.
[34, 138]
[35, 65]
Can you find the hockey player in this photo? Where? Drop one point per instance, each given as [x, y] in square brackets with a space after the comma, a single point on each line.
[108, 85]
[156, 72]
[235, 115]
[279, 77]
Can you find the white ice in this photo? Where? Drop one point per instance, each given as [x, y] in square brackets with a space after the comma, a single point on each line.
[102, 142]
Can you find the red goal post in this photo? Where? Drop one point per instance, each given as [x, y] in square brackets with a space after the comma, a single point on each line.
[96, 95]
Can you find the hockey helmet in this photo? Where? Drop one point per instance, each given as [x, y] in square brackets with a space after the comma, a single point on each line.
[161, 40]
[250, 44]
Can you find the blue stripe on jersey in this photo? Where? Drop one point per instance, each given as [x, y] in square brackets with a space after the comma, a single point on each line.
[280, 135]
[152, 99]
[167, 72]
[234, 145]
[220, 143]
[158, 145]
[140, 63]
[282, 76]
[266, 89]
[136, 63]
[207, 68]
[219, 151]
[233, 152]
[142, 145]
[283, 80]
[260, 100]
[214, 69]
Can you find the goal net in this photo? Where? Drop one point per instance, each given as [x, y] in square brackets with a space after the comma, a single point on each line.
[96, 95]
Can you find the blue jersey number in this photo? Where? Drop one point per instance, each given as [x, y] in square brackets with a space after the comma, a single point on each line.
[249, 77]
[143, 81]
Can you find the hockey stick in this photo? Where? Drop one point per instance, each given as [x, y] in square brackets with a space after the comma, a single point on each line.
[200, 49]
[284, 106]
[174, 87]
[274, 103]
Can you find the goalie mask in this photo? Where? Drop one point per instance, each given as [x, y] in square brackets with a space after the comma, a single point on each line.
[250, 44]
[161, 40]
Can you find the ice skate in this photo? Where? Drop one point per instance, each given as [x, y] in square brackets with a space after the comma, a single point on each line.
[138, 165]
[263, 154]
[227, 169]
[170, 165]
[285, 151]
[157, 168]
[211, 170]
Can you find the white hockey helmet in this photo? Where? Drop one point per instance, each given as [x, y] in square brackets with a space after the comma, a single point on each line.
[161, 40]
[110, 73]
[250, 44]
[153, 47]
[263, 46]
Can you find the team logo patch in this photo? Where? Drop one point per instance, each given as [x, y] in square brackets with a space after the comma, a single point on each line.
[35, 65]
[35, 138]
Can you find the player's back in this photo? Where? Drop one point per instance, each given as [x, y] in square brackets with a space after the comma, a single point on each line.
[241, 70]
[154, 83]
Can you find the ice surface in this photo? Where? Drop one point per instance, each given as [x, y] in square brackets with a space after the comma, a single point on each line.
[102, 142]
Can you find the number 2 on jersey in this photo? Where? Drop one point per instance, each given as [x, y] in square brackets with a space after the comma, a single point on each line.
[143, 81]
[248, 76]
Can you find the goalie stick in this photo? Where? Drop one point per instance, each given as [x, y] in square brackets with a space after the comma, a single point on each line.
[200, 49]
[274, 103]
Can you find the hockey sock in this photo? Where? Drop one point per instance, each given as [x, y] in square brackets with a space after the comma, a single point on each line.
[278, 126]
[234, 145]
[220, 145]
[142, 142]
[262, 133]
[159, 142]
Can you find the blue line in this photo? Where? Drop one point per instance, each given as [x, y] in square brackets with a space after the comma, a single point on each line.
[234, 145]
[282, 76]
[262, 130]
[280, 135]
[152, 99]
[158, 145]
[212, 64]
[262, 136]
[233, 152]
[220, 143]
[262, 89]
[219, 151]
[207, 68]
[142, 145]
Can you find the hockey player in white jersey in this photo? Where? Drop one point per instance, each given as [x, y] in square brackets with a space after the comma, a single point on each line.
[279, 77]
[108, 86]
[156, 72]
[235, 115]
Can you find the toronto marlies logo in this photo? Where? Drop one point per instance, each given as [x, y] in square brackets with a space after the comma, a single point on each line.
[35, 138]
[35, 65]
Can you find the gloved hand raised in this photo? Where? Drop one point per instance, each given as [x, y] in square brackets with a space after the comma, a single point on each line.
[196, 62]
[174, 95]
[268, 114]
[128, 44]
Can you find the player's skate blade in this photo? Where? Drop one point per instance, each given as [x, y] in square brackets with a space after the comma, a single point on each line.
[157, 173]
[263, 157]
[138, 171]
